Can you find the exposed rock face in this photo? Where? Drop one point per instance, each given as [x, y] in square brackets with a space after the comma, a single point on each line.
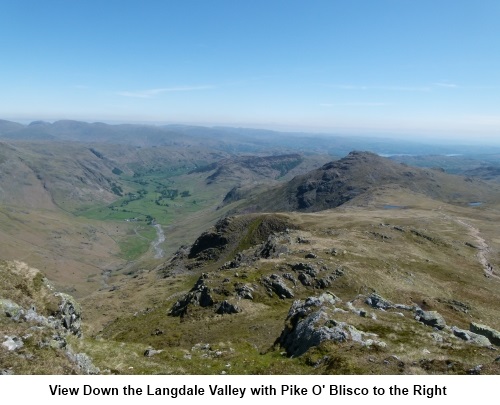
[151, 352]
[226, 307]
[210, 244]
[276, 284]
[177, 263]
[308, 275]
[42, 320]
[376, 301]
[431, 318]
[308, 268]
[235, 194]
[471, 337]
[244, 291]
[492, 334]
[305, 279]
[11, 309]
[67, 318]
[70, 314]
[242, 232]
[459, 306]
[198, 295]
[275, 246]
[311, 322]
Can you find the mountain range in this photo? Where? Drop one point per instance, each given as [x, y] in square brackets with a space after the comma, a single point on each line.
[134, 249]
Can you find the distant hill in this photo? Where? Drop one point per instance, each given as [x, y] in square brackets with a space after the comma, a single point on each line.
[456, 164]
[251, 168]
[227, 139]
[485, 173]
[134, 134]
[341, 181]
[247, 175]
[67, 130]
[9, 126]
[39, 174]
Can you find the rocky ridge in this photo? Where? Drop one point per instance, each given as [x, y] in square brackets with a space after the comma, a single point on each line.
[339, 182]
[37, 320]
[314, 273]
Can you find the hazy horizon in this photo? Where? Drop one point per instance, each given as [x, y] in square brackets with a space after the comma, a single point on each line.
[425, 70]
[413, 137]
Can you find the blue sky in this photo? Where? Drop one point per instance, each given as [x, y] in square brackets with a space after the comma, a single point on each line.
[426, 67]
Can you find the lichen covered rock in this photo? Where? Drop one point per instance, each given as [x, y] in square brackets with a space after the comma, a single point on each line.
[311, 322]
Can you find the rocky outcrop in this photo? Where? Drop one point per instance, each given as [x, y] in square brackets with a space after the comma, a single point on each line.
[176, 264]
[328, 279]
[208, 246]
[70, 314]
[227, 308]
[471, 337]
[311, 322]
[275, 246]
[378, 302]
[241, 233]
[309, 275]
[11, 309]
[244, 291]
[305, 279]
[430, 318]
[277, 285]
[39, 321]
[150, 352]
[305, 267]
[492, 334]
[84, 363]
[66, 319]
[199, 295]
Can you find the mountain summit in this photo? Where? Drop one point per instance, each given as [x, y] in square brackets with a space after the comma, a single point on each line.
[338, 182]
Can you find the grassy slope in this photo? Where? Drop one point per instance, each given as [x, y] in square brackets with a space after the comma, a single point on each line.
[66, 218]
[71, 251]
[43, 184]
[404, 267]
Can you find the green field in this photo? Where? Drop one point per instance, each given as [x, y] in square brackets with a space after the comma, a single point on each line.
[159, 197]
[136, 242]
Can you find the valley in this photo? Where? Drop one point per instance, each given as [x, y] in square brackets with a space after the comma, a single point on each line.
[247, 255]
